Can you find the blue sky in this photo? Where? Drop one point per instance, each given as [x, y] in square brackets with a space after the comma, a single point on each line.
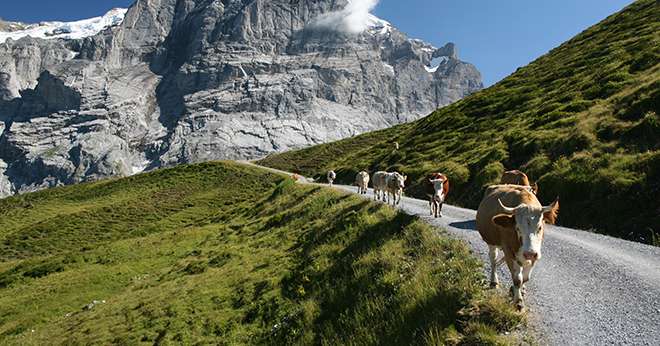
[496, 36]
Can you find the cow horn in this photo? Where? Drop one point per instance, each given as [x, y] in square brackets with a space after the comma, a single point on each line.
[507, 209]
[548, 208]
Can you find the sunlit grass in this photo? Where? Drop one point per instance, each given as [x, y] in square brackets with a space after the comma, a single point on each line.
[220, 253]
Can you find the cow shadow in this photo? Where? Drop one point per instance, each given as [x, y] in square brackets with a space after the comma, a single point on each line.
[467, 224]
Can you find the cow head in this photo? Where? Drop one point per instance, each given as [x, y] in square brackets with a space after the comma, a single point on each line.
[438, 194]
[400, 180]
[528, 222]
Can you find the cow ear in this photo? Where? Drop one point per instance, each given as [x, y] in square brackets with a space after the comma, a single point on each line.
[504, 220]
[550, 216]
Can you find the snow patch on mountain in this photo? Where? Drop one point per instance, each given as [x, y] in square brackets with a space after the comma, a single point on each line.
[66, 30]
[435, 64]
[377, 25]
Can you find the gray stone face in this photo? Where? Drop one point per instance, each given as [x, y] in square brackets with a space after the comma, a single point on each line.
[186, 81]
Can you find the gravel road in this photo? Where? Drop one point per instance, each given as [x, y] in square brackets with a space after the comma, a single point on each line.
[588, 289]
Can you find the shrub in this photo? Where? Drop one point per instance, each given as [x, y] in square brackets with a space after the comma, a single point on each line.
[44, 269]
[490, 174]
[457, 173]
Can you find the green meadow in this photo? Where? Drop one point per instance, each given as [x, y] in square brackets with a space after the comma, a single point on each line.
[220, 253]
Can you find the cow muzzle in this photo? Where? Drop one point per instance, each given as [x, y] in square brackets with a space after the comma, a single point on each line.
[531, 255]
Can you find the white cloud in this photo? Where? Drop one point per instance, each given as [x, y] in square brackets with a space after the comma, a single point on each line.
[353, 19]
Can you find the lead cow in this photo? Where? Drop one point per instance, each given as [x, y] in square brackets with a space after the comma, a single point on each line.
[512, 219]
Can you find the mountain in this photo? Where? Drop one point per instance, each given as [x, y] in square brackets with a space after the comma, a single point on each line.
[187, 81]
[582, 120]
[64, 30]
[221, 253]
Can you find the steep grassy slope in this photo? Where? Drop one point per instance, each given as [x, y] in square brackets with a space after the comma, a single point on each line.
[219, 253]
[582, 120]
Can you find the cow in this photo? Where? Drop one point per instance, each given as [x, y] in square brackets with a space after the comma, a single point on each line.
[512, 219]
[437, 187]
[362, 182]
[379, 180]
[395, 182]
[517, 177]
[331, 176]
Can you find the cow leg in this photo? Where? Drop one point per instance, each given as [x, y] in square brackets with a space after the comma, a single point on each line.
[516, 278]
[431, 206]
[527, 272]
[440, 209]
[492, 254]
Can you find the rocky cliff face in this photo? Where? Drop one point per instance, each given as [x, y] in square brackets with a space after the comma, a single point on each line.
[190, 80]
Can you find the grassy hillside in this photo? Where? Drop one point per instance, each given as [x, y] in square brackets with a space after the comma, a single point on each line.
[219, 253]
[582, 120]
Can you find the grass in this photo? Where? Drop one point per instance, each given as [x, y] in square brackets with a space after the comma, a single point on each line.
[220, 253]
[582, 120]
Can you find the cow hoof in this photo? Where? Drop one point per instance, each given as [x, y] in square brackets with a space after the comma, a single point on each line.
[494, 285]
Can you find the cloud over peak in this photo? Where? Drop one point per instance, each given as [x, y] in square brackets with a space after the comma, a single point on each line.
[353, 19]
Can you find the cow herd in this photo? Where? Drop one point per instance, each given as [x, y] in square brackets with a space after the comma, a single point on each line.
[510, 217]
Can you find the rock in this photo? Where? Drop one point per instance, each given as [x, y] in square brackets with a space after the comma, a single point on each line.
[188, 81]
[91, 305]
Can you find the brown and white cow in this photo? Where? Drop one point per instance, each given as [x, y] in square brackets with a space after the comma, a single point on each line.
[331, 176]
[437, 188]
[512, 219]
[517, 177]
[362, 182]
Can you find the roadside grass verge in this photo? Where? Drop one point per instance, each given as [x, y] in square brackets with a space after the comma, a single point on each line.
[220, 253]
